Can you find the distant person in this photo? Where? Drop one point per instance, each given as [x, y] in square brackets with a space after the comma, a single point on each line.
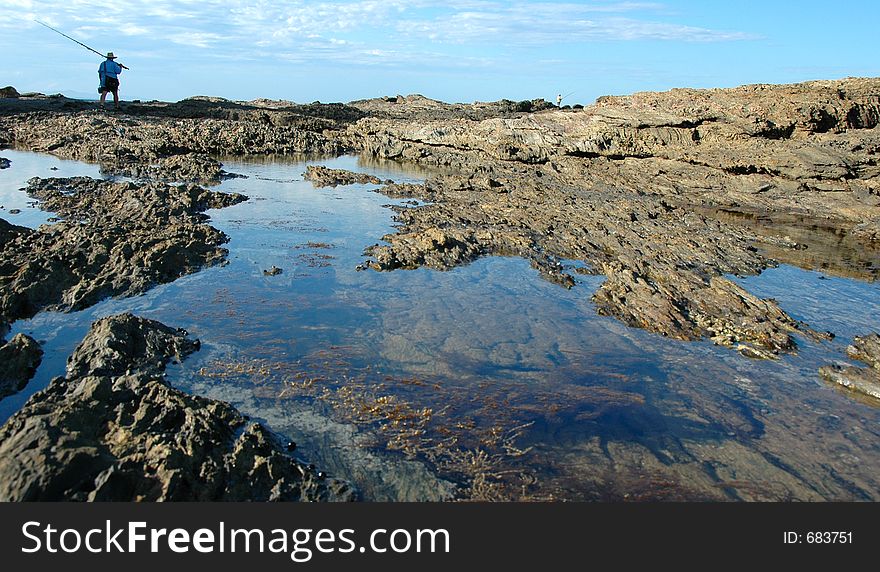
[559, 100]
[108, 72]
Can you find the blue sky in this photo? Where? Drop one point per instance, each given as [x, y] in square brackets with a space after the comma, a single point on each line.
[454, 50]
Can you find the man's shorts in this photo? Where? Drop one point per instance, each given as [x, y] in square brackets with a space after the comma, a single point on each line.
[111, 84]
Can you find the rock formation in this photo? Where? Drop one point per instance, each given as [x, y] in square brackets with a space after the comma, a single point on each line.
[321, 176]
[112, 429]
[636, 187]
[865, 349]
[116, 239]
[19, 359]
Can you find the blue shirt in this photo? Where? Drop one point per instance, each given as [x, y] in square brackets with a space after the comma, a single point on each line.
[109, 68]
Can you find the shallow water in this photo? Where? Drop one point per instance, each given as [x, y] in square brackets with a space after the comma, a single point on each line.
[485, 381]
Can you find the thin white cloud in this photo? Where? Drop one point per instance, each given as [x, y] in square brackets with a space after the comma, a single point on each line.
[195, 39]
[366, 32]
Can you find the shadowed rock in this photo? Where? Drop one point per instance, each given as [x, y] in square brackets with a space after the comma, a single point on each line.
[19, 359]
[112, 429]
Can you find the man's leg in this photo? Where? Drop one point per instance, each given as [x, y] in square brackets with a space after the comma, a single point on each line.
[116, 98]
[103, 97]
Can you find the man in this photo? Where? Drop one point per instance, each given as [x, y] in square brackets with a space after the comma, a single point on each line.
[109, 72]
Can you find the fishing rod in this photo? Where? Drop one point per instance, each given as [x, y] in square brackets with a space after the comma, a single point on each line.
[77, 41]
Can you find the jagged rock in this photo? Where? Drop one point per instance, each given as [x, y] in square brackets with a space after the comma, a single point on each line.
[866, 349]
[862, 379]
[19, 359]
[174, 142]
[634, 187]
[322, 176]
[10, 231]
[9, 92]
[117, 239]
[112, 429]
[5, 163]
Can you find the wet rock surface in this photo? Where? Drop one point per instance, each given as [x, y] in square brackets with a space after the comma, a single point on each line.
[322, 176]
[19, 359]
[862, 379]
[4, 163]
[623, 186]
[112, 429]
[116, 239]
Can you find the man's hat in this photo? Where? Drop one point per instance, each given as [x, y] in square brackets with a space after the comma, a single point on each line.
[110, 56]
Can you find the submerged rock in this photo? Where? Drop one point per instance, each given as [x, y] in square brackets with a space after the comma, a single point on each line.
[112, 429]
[4, 163]
[19, 359]
[274, 271]
[862, 379]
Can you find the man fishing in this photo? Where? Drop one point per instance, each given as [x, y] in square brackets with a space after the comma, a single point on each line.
[109, 72]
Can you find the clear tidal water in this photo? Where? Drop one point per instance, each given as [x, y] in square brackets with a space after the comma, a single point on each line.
[486, 381]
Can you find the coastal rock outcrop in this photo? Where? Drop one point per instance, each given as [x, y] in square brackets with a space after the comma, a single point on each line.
[647, 189]
[322, 176]
[112, 429]
[865, 380]
[116, 239]
[166, 148]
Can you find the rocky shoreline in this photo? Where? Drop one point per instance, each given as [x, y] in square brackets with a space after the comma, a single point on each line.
[655, 191]
[113, 430]
[115, 239]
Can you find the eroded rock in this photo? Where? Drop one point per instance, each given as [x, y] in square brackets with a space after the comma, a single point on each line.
[112, 429]
[117, 239]
[159, 147]
[322, 176]
[862, 379]
[19, 359]
[629, 187]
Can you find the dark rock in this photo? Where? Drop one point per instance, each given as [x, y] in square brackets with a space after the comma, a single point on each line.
[5, 163]
[112, 429]
[9, 232]
[19, 359]
[274, 271]
[117, 239]
[9, 92]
